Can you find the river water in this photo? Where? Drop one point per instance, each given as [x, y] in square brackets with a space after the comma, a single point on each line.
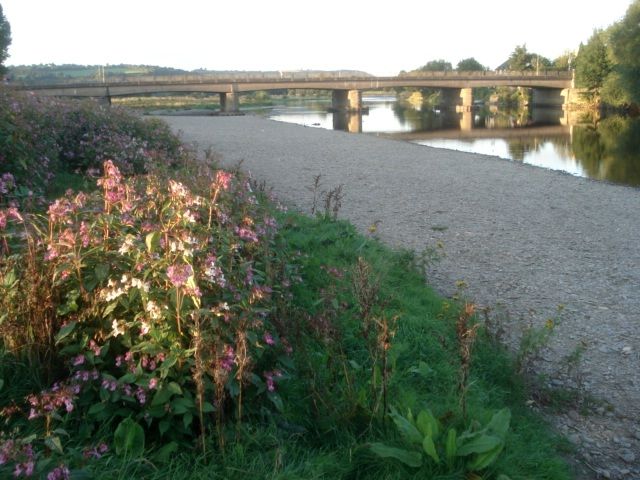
[548, 138]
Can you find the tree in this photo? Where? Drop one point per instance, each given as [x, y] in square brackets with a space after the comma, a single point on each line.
[593, 64]
[5, 41]
[470, 65]
[436, 66]
[625, 46]
[520, 58]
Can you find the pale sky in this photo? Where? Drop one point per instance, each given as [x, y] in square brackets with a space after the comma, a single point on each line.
[381, 38]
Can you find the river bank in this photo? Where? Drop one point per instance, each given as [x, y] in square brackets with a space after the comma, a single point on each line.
[523, 239]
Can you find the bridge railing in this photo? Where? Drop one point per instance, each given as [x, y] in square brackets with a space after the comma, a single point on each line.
[287, 77]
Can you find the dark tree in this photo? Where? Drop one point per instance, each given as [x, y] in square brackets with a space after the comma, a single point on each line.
[520, 58]
[625, 44]
[470, 65]
[437, 66]
[5, 41]
[593, 64]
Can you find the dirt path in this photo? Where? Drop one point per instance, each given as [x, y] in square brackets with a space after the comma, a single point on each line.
[524, 239]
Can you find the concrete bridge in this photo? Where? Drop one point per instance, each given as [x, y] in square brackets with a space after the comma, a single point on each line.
[549, 88]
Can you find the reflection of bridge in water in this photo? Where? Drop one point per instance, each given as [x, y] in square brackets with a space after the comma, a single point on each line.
[461, 123]
[548, 88]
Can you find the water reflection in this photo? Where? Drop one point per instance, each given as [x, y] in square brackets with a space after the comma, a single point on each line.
[546, 137]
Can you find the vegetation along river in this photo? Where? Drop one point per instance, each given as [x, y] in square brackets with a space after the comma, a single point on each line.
[608, 149]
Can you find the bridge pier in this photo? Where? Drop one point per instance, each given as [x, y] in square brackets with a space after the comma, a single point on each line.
[346, 101]
[229, 102]
[459, 98]
[347, 121]
[547, 97]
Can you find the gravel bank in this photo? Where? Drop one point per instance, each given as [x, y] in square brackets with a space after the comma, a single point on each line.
[524, 239]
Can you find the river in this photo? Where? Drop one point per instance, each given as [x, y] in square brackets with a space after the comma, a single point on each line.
[550, 138]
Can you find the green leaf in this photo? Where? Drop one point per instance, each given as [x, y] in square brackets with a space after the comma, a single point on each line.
[173, 387]
[412, 459]
[164, 426]
[499, 423]
[96, 408]
[483, 460]
[152, 241]
[407, 429]
[162, 396]
[54, 444]
[450, 448]
[187, 420]
[430, 449]
[427, 424]
[481, 444]
[207, 407]
[109, 308]
[65, 331]
[1, 383]
[422, 369]
[277, 401]
[129, 438]
[101, 271]
[181, 405]
[9, 278]
[164, 453]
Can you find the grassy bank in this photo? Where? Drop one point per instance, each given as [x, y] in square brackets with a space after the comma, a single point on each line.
[172, 322]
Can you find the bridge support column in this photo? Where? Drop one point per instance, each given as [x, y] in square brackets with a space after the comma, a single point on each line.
[460, 99]
[547, 97]
[229, 102]
[346, 100]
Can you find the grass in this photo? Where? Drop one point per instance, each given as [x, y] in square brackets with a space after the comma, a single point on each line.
[367, 335]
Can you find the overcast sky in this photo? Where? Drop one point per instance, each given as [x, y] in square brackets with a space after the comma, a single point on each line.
[381, 38]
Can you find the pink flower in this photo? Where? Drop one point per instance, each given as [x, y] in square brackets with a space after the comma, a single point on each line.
[60, 473]
[79, 360]
[268, 339]
[223, 179]
[153, 383]
[179, 274]
[228, 359]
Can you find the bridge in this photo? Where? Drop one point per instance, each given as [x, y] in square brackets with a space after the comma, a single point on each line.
[549, 88]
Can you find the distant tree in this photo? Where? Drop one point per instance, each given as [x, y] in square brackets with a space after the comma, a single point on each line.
[437, 66]
[593, 64]
[564, 62]
[5, 41]
[520, 58]
[470, 65]
[625, 46]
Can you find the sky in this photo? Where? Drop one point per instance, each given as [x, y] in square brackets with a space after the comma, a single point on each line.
[381, 38]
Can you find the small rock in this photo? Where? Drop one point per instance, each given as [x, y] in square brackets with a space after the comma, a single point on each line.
[605, 473]
[574, 438]
[628, 456]
[626, 350]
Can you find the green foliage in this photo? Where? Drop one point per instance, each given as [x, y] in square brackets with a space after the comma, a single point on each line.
[474, 450]
[593, 64]
[5, 41]
[625, 45]
[128, 439]
[164, 321]
[436, 66]
[470, 65]
[522, 59]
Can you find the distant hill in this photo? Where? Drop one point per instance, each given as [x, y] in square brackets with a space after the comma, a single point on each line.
[50, 73]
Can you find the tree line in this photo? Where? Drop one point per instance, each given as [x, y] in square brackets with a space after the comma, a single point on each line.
[608, 65]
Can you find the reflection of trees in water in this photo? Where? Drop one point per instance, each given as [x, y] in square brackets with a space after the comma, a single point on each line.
[419, 120]
[610, 151]
[520, 147]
